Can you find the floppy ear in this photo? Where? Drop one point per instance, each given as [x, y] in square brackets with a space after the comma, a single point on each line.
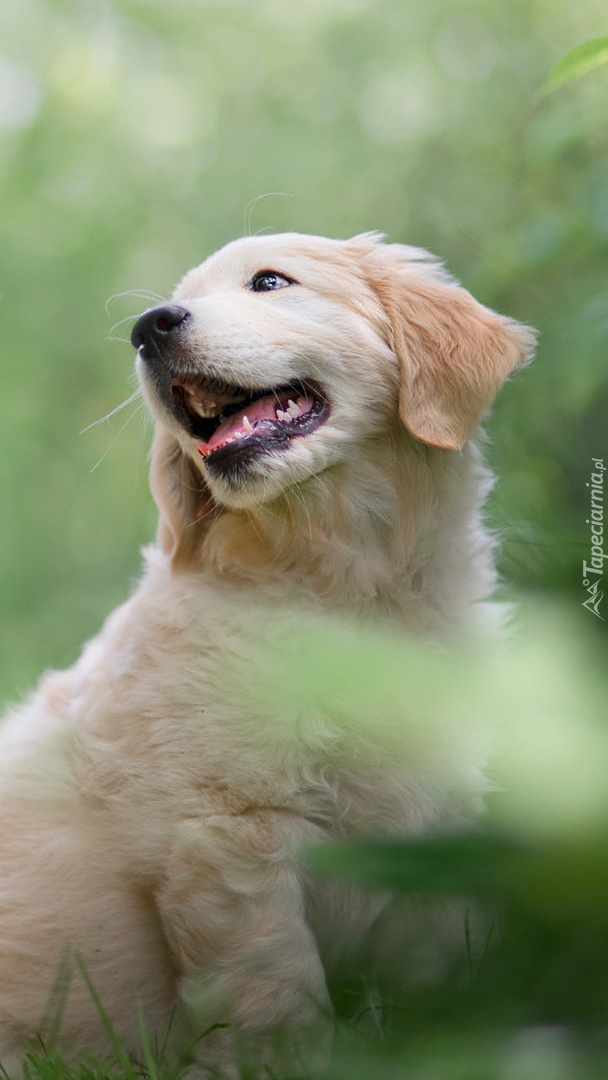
[454, 353]
[186, 506]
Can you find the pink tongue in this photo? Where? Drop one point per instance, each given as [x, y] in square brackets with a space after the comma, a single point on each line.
[263, 409]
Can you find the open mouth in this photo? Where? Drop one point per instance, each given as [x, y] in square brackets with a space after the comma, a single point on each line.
[227, 419]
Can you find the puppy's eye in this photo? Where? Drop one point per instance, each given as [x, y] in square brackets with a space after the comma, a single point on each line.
[267, 280]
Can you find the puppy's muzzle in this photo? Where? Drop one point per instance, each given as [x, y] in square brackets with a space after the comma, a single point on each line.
[227, 420]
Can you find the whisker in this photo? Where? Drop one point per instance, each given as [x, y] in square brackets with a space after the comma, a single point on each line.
[251, 519]
[197, 520]
[120, 322]
[118, 433]
[143, 294]
[248, 211]
[112, 412]
[141, 457]
[301, 501]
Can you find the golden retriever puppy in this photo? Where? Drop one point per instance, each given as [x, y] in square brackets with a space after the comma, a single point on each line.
[315, 401]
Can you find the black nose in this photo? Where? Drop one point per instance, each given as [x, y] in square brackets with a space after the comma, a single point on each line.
[155, 325]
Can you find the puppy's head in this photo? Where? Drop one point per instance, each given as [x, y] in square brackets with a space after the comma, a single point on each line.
[280, 355]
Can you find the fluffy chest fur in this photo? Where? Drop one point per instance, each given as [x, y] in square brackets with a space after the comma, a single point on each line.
[216, 734]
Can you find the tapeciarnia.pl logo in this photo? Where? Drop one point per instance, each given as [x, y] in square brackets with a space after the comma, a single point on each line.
[593, 571]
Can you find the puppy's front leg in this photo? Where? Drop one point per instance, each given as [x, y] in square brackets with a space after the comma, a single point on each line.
[233, 912]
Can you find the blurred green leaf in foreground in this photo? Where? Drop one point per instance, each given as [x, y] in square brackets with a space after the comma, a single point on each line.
[577, 62]
[522, 992]
[527, 996]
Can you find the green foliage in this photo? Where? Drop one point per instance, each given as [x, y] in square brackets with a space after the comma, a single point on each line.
[578, 61]
[138, 136]
[525, 992]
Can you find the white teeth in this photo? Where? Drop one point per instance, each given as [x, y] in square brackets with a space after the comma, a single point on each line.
[248, 426]
[204, 410]
[290, 413]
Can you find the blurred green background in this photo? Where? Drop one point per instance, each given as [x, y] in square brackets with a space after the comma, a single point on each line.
[136, 136]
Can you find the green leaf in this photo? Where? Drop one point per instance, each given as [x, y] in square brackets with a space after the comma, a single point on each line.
[578, 61]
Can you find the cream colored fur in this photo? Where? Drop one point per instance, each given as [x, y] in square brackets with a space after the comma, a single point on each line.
[152, 806]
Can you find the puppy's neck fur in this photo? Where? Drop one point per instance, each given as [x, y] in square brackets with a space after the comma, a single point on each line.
[397, 535]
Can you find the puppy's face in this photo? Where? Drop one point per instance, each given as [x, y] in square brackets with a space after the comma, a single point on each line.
[283, 355]
[270, 363]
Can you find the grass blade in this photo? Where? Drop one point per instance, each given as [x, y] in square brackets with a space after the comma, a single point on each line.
[105, 1019]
